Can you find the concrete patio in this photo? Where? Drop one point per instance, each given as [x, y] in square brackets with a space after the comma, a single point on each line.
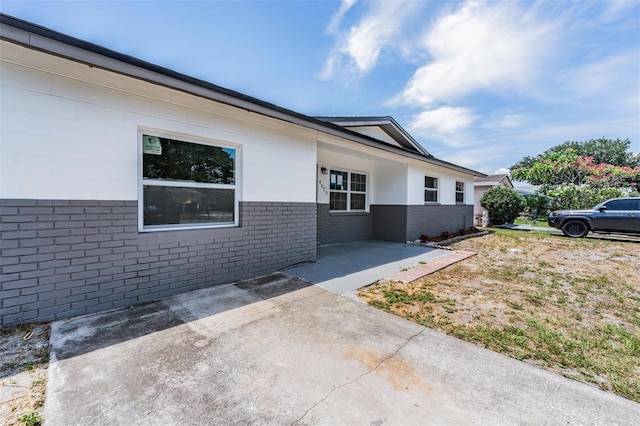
[344, 268]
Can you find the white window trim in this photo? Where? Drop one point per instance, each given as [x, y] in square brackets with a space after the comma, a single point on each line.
[348, 191]
[436, 189]
[456, 192]
[190, 139]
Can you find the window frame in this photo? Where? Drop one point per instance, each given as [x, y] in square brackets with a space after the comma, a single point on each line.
[435, 190]
[142, 182]
[631, 201]
[349, 191]
[459, 192]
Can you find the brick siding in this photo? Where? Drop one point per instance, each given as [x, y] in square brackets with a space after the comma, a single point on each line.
[61, 258]
[390, 222]
[343, 227]
[408, 223]
[435, 219]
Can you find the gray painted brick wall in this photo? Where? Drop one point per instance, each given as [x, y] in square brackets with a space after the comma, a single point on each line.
[61, 258]
[390, 222]
[342, 227]
[435, 219]
[408, 223]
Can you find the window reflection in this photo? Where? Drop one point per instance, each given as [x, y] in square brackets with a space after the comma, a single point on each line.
[179, 205]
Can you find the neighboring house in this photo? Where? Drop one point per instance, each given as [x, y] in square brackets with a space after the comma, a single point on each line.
[526, 191]
[123, 182]
[481, 185]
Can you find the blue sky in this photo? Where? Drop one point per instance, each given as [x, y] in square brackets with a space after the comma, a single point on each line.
[478, 83]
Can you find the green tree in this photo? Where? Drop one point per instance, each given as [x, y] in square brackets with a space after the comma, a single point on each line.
[190, 162]
[555, 168]
[582, 174]
[570, 168]
[503, 204]
[602, 150]
[581, 197]
[536, 205]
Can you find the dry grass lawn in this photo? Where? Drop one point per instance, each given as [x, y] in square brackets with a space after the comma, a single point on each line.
[568, 305]
[24, 358]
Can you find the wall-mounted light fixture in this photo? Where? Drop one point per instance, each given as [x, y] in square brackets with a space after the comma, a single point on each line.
[324, 170]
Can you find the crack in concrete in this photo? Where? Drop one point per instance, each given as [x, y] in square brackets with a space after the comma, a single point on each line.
[357, 378]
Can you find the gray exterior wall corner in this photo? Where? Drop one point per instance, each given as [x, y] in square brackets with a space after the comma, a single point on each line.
[390, 222]
[403, 223]
[336, 228]
[436, 219]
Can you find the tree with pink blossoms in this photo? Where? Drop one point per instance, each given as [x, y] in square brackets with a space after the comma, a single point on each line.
[572, 179]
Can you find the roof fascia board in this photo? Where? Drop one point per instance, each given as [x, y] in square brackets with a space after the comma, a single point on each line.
[395, 130]
[179, 82]
[429, 160]
[486, 183]
[51, 42]
[384, 123]
[406, 135]
[451, 166]
[361, 123]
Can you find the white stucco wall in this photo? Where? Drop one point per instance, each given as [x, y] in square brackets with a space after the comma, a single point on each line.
[70, 131]
[346, 163]
[477, 194]
[393, 179]
[446, 184]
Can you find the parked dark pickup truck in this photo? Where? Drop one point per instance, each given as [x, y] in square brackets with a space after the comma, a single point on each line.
[618, 215]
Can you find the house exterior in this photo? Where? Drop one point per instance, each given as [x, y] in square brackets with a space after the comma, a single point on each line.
[123, 182]
[481, 185]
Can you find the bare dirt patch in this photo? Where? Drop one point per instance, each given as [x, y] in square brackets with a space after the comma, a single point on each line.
[24, 358]
[569, 305]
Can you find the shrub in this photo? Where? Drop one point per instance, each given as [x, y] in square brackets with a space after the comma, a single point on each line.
[582, 197]
[503, 205]
[536, 205]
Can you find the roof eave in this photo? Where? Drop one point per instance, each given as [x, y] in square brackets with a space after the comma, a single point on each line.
[387, 123]
[43, 39]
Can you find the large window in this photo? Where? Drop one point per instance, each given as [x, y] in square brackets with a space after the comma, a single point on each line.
[459, 192]
[347, 191]
[430, 189]
[187, 184]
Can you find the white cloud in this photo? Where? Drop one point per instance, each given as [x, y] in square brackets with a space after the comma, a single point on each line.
[336, 19]
[491, 82]
[443, 123]
[503, 121]
[358, 48]
[512, 120]
[612, 77]
[365, 41]
[494, 46]
[615, 9]
[473, 158]
[502, 171]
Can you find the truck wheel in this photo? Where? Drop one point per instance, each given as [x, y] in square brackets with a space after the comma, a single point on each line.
[575, 229]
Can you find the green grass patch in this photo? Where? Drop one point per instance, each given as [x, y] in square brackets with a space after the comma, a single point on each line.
[529, 221]
[604, 351]
[31, 419]
[552, 303]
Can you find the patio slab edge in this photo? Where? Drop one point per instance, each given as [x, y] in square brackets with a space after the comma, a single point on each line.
[431, 266]
[443, 244]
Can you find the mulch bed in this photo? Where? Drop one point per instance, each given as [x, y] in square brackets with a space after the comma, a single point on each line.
[447, 235]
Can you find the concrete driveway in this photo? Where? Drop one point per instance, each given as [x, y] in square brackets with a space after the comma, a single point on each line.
[278, 350]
